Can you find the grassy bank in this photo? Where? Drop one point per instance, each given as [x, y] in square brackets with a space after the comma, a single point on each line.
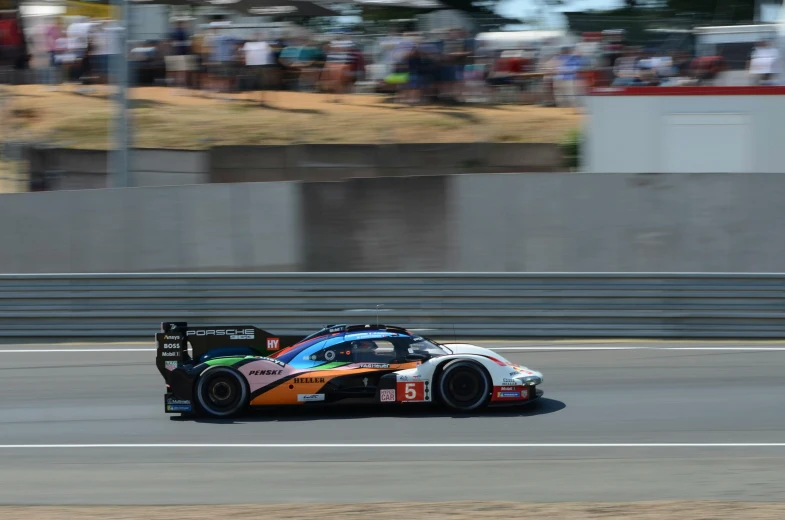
[175, 118]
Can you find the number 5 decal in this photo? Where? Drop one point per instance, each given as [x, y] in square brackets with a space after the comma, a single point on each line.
[411, 391]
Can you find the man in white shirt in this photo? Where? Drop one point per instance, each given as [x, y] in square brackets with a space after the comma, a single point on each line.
[258, 59]
[101, 52]
[762, 63]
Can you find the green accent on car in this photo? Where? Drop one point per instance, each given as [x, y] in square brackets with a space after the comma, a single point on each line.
[328, 366]
[225, 361]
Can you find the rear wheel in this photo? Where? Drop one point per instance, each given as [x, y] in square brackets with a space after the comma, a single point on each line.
[464, 386]
[221, 392]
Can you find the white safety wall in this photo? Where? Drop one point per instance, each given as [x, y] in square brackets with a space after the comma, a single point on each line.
[684, 133]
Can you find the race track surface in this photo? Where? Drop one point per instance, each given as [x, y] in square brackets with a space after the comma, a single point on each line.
[597, 434]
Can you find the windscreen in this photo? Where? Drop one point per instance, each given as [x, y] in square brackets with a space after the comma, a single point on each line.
[290, 353]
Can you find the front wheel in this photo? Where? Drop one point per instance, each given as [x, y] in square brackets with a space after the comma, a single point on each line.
[464, 386]
[221, 392]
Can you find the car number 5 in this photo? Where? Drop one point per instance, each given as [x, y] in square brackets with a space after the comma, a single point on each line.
[412, 391]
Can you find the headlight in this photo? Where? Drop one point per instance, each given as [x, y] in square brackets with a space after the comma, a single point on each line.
[530, 380]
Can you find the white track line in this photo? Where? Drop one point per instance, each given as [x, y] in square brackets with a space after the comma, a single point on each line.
[555, 348]
[41, 350]
[418, 445]
[497, 349]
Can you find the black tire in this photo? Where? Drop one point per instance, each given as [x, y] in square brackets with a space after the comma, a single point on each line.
[464, 386]
[221, 392]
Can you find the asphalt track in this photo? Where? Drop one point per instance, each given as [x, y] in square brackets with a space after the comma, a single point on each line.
[620, 421]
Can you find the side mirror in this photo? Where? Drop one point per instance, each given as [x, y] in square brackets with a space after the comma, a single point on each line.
[418, 357]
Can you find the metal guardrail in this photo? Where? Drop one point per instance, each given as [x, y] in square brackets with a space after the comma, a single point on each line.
[441, 305]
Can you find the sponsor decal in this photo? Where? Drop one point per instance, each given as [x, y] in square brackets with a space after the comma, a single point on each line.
[173, 400]
[415, 391]
[178, 407]
[273, 343]
[329, 355]
[171, 345]
[513, 373]
[170, 365]
[167, 337]
[374, 365]
[265, 372]
[504, 393]
[171, 353]
[510, 382]
[387, 395]
[276, 361]
[306, 380]
[305, 398]
[232, 333]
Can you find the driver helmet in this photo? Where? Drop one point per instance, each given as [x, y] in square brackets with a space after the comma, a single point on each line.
[364, 345]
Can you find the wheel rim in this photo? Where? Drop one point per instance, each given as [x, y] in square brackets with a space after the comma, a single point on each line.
[221, 394]
[465, 386]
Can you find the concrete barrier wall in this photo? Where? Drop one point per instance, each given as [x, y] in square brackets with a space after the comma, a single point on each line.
[315, 162]
[72, 169]
[179, 228]
[500, 223]
[87, 169]
[618, 223]
[388, 224]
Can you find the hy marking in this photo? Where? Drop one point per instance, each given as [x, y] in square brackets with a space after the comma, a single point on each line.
[410, 446]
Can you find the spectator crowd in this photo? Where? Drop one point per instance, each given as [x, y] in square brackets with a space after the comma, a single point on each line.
[438, 66]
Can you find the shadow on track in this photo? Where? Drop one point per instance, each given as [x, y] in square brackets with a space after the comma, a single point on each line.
[543, 406]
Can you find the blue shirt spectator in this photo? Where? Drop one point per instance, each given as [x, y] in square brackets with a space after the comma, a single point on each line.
[569, 66]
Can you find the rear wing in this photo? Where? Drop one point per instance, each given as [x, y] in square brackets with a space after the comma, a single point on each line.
[175, 337]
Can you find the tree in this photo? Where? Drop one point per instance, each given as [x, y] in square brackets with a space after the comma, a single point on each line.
[483, 11]
[720, 11]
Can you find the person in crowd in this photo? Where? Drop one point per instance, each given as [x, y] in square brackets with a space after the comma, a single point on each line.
[64, 60]
[415, 66]
[457, 51]
[566, 84]
[258, 60]
[52, 35]
[707, 69]
[762, 64]
[179, 62]
[625, 68]
[343, 67]
[101, 51]
[310, 62]
[222, 47]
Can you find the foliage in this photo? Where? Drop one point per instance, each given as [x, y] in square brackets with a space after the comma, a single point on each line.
[571, 147]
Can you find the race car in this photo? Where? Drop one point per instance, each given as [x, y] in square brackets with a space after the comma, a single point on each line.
[222, 371]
